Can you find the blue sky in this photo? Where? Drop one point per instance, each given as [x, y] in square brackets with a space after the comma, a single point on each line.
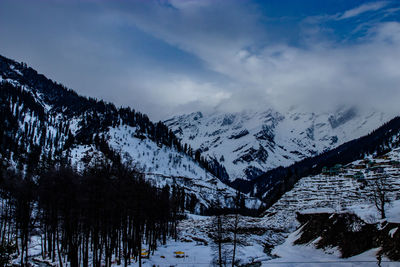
[170, 57]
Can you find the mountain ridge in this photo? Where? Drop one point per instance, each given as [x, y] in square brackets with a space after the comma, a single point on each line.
[46, 124]
[250, 143]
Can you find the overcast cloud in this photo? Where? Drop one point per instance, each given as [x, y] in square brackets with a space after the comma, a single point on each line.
[178, 56]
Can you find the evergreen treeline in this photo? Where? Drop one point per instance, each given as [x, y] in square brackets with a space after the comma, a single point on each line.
[96, 116]
[273, 184]
[102, 216]
[25, 137]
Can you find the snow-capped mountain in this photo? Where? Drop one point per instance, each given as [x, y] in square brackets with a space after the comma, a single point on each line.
[249, 143]
[44, 124]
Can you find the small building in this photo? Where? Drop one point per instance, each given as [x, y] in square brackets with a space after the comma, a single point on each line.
[395, 163]
[325, 170]
[360, 167]
[382, 157]
[369, 163]
[335, 170]
[338, 166]
[359, 176]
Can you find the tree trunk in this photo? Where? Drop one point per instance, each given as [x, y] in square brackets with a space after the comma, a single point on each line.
[235, 238]
[26, 248]
[58, 251]
[219, 227]
[86, 252]
[140, 253]
[22, 252]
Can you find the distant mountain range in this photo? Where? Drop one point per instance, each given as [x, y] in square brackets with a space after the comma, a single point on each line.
[250, 143]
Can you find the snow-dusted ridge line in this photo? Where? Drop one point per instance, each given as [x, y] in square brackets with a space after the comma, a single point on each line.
[249, 143]
[52, 132]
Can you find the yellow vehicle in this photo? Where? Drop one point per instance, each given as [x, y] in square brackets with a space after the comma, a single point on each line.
[145, 254]
[179, 254]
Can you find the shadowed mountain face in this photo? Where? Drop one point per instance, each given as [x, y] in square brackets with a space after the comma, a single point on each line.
[249, 143]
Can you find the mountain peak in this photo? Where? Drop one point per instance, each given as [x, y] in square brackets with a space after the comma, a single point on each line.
[252, 142]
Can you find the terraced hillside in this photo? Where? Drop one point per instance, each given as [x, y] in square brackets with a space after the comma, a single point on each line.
[350, 190]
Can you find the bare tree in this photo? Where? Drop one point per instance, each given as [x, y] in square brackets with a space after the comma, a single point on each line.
[381, 189]
[235, 240]
[225, 230]
[218, 224]
[219, 234]
[238, 200]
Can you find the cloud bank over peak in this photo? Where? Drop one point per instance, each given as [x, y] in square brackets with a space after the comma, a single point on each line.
[171, 57]
[318, 74]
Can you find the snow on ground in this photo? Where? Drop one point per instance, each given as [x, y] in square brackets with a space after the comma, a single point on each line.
[313, 194]
[368, 212]
[320, 193]
[251, 235]
[309, 256]
[163, 165]
[195, 255]
[338, 193]
[195, 243]
[393, 212]
[150, 157]
[85, 154]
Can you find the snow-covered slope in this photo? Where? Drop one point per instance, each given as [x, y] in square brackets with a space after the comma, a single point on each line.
[349, 191]
[249, 143]
[46, 124]
[162, 166]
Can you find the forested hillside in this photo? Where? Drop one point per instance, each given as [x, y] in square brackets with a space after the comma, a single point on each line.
[46, 125]
[90, 181]
[39, 113]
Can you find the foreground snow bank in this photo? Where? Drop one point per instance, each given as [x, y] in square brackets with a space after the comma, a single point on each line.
[339, 240]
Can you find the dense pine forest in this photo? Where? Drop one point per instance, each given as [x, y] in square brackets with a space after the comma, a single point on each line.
[90, 218]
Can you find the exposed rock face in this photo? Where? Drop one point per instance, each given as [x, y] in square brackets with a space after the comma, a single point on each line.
[342, 117]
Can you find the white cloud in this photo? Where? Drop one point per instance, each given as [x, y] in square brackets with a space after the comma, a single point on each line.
[318, 76]
[178, 89]
[362, 9]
